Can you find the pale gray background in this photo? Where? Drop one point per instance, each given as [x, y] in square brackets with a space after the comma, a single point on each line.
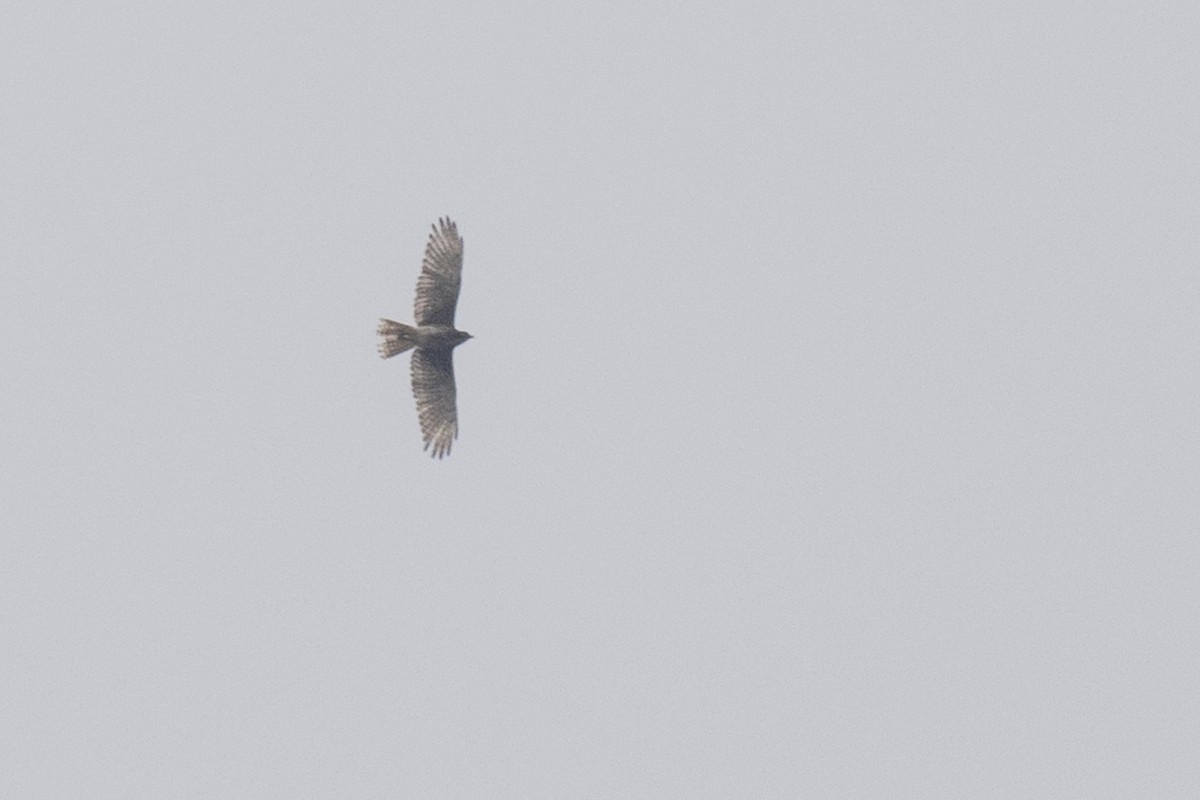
[830, 429]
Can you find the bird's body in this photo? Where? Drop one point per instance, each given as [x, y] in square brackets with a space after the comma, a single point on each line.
[433, 338]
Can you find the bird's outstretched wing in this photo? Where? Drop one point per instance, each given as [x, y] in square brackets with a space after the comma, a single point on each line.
[433, 387]
[441, 276]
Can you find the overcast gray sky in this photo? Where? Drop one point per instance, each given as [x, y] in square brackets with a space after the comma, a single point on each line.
[829, 429]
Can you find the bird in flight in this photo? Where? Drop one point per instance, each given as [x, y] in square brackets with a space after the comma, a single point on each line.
[434, 337]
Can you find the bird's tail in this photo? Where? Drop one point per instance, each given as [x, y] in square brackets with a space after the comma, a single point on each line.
[396, 338]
